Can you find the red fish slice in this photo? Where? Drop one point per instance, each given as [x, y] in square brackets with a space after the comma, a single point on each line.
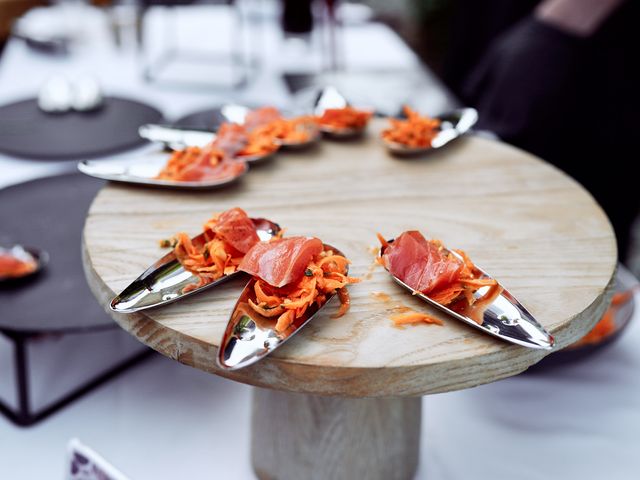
[281, 262]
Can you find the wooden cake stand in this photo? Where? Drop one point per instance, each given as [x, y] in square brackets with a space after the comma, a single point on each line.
[342, 398]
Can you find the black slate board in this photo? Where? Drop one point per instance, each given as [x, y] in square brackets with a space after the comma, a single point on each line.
[28, 132]
[49, 214]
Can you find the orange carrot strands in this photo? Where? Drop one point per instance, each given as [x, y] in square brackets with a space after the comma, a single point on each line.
[416, 131]
[221, 253]
[344, 118]
[324, 276]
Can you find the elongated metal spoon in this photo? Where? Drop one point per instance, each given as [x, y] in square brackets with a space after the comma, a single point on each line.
[165, 280]
[452, 125]
[250, 337]
[503, 317]
[143, 170]
[176, 137]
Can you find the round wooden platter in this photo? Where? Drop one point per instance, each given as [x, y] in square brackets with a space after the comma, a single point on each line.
[524, 221]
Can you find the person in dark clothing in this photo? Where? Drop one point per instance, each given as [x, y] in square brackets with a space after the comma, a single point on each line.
[557, 78]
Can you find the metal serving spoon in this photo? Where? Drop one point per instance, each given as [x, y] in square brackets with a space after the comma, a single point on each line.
[504, 317]
[25, 254]
[452, 125]
[176, 137]
[142, 170]
[250, 337]
[164, 281]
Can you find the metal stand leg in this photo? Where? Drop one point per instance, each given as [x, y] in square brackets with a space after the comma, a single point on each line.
[23, 415]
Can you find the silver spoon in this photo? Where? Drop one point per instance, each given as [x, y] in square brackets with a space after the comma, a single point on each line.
[505, 317]
[175, 137]
[452, 125]
[142, 170]
[250, 337]
[164, 281]
[25, 254]
[329, 97]
[235, 113]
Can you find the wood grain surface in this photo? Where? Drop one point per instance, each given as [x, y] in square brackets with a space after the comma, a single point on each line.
[524, 221]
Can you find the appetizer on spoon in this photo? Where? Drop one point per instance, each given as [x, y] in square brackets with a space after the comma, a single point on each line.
[190, 168]
[293, 278]
[449, 281]
[18, 263]
[336, 118]
[419, 134]
[195, 264]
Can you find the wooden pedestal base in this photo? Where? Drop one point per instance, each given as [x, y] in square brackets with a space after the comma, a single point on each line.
[297, 436]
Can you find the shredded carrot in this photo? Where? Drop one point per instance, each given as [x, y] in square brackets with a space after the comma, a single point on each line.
[325, 275]
[415, 317]
[289, 131]
[415, 131]
[209, 260]
[343, 118]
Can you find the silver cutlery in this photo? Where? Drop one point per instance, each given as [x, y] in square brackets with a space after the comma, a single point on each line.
[165, 280]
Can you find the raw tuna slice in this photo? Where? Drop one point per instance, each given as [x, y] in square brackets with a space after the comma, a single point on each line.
[420, 263]
[281, 262]
[237, 229]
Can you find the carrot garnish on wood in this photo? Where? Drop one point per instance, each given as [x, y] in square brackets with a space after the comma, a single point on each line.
[415, 318]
